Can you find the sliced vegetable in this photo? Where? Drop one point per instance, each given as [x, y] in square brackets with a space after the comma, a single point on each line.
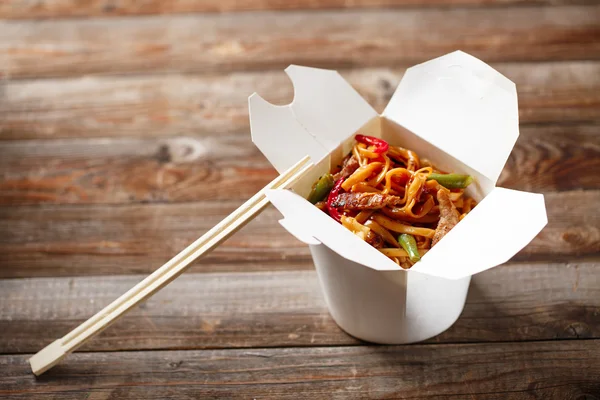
[321, 188]
[409, 244]
[451, 181]
[381, 146]
[333, 195]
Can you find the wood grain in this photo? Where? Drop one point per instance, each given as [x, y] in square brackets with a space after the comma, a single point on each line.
[15, 9]
[202, 105]
[112, 240]
[541, 370]
[229, 167]
[554, 158]
[118, 171]
[252, 41]
[515, 302]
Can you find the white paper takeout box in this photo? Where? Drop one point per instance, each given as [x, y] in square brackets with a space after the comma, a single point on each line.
[454, 110]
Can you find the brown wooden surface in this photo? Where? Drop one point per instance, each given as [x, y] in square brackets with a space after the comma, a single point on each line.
[125, 137]
[547, 370]
[106, 240]
[16, 9]
[228, 167]
[199, 105]
[278, 309]
[254, 41]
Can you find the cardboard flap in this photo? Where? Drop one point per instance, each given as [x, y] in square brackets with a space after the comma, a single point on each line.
[298, 230]
[279, 136]
[330, 233]
[494, 231]
[462, 106]
[326, 105]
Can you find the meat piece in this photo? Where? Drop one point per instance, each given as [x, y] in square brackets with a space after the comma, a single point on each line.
[449, 216]
[365, 201]
[322, 205]
[348, 167]
[374, 239]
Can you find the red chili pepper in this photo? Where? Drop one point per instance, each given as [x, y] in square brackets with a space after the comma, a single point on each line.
[381, 146]
[333, 195]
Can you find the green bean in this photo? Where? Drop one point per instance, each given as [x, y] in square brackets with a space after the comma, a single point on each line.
[409, 244]
[321, 188]
[451, 181]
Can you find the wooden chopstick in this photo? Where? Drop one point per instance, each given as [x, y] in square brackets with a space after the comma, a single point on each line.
[57, 350]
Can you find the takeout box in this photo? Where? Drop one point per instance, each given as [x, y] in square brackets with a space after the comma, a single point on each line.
[454, 110]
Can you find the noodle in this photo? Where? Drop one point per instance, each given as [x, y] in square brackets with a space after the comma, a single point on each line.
[467, 205]
[383, 172]
[360, 175]
[393, 199]
[399, 227]
[385, 234]
[355, 227]
[400, 214]
[401, 172]
[363, 187]
[364, 215]
[392, 252]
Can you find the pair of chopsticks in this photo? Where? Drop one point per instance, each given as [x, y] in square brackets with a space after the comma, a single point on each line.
[52, 354]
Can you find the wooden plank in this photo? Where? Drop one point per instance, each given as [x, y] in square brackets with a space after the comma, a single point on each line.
[117, 240]
[541, 370]
[554, 158]
[181, 169]
[120, 171]
[173, 105]
[15, 9]
[242, 41]
[98, 240]
[515, 302]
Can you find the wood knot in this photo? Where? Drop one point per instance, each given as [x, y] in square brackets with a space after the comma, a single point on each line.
[388, 89]
[573, 237]
[163, 155]
[385, 84]
[186, 150]
[577, 330]
[109, 7]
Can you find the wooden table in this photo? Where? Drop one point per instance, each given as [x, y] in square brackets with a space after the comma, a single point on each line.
[124, 136]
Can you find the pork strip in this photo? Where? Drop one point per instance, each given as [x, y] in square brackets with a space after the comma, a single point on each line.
[449, 215]
[348, 167]
[365, 201]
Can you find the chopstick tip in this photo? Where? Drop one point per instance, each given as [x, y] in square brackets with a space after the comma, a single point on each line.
[47, 358]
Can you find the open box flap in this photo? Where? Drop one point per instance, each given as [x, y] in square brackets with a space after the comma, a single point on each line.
[279, 136]
[308, 224]
[298, 230]
[326, 105]
[494, 231]
[462, 106]
[324, 112]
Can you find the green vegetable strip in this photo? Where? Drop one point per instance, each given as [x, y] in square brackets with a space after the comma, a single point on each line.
[451, 181]
[409, 244]
[321, 189]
